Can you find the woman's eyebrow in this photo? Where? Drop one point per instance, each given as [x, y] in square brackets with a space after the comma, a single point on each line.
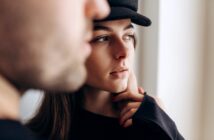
[100, 27]
[130, 26]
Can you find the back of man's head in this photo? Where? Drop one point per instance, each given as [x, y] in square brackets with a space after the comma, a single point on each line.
[45, 44]
[25, 30]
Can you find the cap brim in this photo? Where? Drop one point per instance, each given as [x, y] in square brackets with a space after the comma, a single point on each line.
[123, 13]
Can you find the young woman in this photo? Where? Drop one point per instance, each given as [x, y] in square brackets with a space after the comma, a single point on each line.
[109, 106]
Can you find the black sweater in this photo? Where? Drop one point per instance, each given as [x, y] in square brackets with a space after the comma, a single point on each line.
[13, 130]
[150, 122]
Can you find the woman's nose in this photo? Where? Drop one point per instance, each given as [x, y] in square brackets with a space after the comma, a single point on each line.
[121, 50]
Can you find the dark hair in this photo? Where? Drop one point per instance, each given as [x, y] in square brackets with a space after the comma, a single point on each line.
[53, 119]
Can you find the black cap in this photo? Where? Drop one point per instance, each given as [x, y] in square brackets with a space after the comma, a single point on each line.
[121, 9]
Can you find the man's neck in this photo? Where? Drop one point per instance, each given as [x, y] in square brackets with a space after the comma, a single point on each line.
[9, 100]
[100, 102]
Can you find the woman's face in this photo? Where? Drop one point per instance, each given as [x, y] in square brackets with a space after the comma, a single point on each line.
[112, 55]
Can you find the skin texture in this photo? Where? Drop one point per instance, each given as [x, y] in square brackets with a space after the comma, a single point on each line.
[107, 83]
[44, 45]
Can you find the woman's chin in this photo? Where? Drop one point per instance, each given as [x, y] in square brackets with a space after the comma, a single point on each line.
[118, 88]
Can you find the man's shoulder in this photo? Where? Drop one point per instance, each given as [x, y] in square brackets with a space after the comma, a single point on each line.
[14, 130]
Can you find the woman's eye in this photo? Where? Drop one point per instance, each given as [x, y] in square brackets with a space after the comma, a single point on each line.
[129, 37]
[100, 39]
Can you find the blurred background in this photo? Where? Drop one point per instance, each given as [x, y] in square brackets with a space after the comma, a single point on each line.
[174, 61]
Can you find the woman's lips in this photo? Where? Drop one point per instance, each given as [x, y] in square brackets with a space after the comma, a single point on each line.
[120, 74]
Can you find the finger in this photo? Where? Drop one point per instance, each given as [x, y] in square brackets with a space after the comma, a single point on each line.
[128, 123]
[137, 97]
[120, 97]
[129, 106]
[128, 115]
[128, 96]
[141, 90]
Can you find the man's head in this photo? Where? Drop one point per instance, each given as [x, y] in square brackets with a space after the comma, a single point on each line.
[45, 44]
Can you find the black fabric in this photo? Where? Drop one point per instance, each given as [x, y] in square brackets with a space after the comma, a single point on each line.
[13, 130]
[149, 123]
[132, 4]
[156, 120]
[121, 9]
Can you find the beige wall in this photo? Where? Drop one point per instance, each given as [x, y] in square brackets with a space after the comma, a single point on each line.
[178, 62]
[181, 56]
[208, 95]
[147, 47]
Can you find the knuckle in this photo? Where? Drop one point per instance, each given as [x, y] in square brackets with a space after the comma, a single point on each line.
[133, 110]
